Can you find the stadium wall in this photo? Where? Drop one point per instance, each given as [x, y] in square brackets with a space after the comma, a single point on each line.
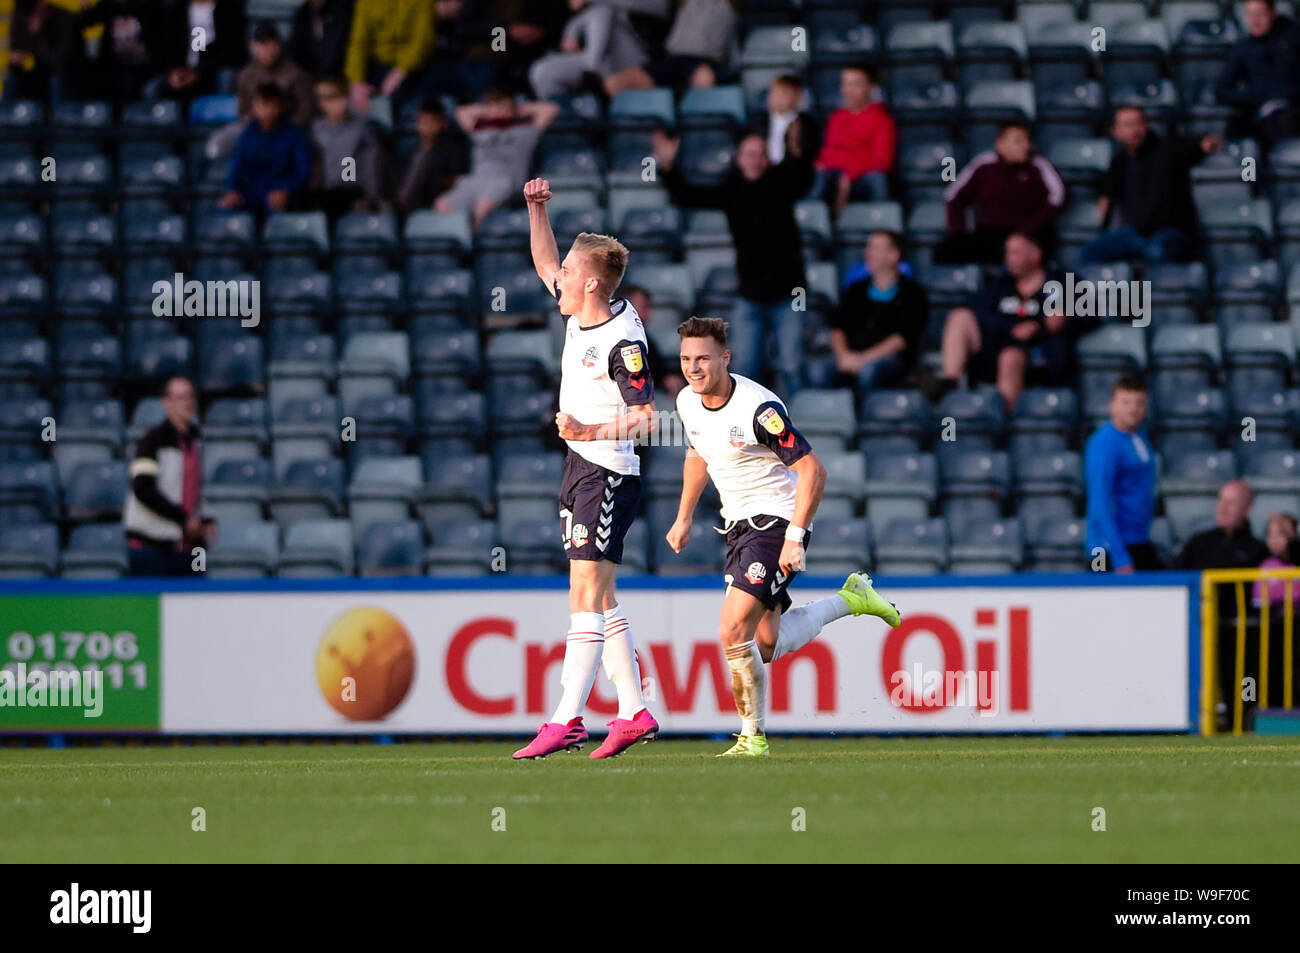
[1023, 653]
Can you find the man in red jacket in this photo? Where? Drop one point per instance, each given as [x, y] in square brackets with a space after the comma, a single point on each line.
[1013, 189]
[858, 151]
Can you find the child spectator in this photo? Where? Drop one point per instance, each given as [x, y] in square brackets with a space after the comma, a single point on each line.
[340, 136]
[272, 160]
[443, 156]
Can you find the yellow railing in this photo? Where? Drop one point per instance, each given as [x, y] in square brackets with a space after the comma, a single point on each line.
[1210, 625]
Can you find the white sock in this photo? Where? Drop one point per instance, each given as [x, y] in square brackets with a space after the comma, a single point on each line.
[748, 686]
[801, 625]
[581, 659]
[619, 658]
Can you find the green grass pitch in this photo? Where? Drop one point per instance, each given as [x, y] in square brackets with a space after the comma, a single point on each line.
[1166, 799]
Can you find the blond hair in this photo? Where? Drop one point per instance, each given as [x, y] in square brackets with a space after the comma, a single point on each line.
[605, 256]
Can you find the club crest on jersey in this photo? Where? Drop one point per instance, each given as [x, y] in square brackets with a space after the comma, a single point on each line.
[756, 573]
[589, 357]
[632, 358]
[772, 421]
[579, 534]
[736, 438]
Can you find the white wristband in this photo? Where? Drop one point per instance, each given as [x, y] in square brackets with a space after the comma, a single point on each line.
[794, 533]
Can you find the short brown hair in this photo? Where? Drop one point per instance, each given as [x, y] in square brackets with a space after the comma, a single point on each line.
[1131, 382]
[696, 327]
[607, 257]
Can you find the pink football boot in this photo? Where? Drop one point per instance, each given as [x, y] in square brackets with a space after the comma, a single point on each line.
[623, 734]
[553, 737]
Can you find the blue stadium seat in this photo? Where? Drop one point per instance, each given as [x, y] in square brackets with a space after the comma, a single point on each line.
[21, 428]
[96, 490]
[315, 548]
[462, 547]
[456, 488]
[244, 551]
[95, 551]
[391, 548]
[991, 50]
[383, 488]
[29, 492]
[912, 547]
[29, 551]
[238, 491]
[305, 428]
[900, 486]
[296, 233]
[309, 490]
[986, 547]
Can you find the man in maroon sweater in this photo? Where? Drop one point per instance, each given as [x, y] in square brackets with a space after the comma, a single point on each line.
[1013, 188]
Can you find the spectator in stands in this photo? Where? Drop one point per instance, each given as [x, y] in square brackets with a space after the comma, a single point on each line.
[666, 374]
[695, 50]
[272, 160]
[597, 42]
[1229, 545]
[318, 39]
[1120, 469]
[861, 140]
[1262, 75]
[877, 328]
[390, 44]
[758, 198]
[127, 52]
[443, 156]
[192, 68]
[269, 65]
[353, 162]
[1013, 188]
[161, 516]
[1280, 540]
[1007, 335]
[45, 53]
[785, 101]
[1147, 193]
[503, 135]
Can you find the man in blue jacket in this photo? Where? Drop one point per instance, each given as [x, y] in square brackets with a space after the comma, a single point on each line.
[1262, 75]
[1120, 468]
[272, 159]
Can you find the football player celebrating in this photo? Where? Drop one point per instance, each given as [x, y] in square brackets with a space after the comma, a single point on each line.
[606, 402]
[771, 483]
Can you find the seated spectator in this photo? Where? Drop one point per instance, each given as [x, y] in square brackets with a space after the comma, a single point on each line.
[503, 135]
[695, 49]
[597, 42]
[1006, 336]
[318, 39]
[191, 68]
[1120, 469]
[1280, 540]
[353, 163]
[785, 95]
[1013, 188]
[858, 151]
[533, 29]
[45, 53]
[443, 156]
[272, 160]
[126, 57]
[1262, 76]
[665, 371]
[268, 65]
[390, 44]
[1229, 545]
[876, 330]
[758, 198]
[1147, 194]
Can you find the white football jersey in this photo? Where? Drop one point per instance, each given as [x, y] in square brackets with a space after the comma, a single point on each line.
[748, 445]
[603, 371]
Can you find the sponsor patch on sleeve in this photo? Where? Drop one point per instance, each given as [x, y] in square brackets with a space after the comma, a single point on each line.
[632, 359]
[772, 421]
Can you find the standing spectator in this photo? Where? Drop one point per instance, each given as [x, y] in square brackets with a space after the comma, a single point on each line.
[443, 156]
[599, 41]
[162, 515]
[1120, 469]
[201, 45]
[759, 199]
[269, 65]
[318, 39]
[1262, 75]
[1007, 335]
[503, 135]
[45, 53]
[272, 160]
[880, 320]
[696, 46]
[339, 136]
[1147, 193]
[1013, 188]
[390, 43]
[861, 140]
[666, 374]
[126, 58]
[785, 96]
[1229, 545]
